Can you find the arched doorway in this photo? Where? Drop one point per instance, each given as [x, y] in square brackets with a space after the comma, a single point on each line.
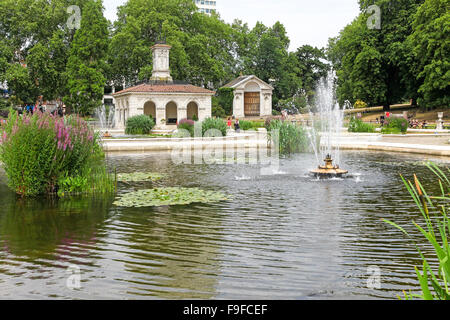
[150, 109]
[171, 113]
[192, 110]
[252, 100]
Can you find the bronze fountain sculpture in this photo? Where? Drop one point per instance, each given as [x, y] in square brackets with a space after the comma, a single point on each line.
[328, 170]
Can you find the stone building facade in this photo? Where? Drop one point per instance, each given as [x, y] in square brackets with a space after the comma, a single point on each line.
[166, 101]
[252, 97]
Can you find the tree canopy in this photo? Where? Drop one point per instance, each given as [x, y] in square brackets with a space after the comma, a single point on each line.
[407, 58]
[41, 55]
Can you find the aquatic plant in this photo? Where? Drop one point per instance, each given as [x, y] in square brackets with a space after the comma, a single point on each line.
[168, 197]
[37, 150]
[139, 176]
[292, 138]
[92, 180]
[434, 285]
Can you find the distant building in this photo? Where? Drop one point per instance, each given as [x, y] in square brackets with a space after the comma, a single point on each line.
[165, 100]
[206, 6]
[108, 98]
[252, 97]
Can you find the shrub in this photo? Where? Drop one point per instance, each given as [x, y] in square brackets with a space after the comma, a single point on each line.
[245, 125]
[395, 126]
[357, 125]
[38, 150]
[359, 104]
[141, 124]
[214, 123]
[218, 111]
[251, 125]
[194, 117]
[187, 125]
[292, 138]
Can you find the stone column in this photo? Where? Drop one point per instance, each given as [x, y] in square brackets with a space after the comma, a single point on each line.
[181, 111]
[160, 112]
[238, 104]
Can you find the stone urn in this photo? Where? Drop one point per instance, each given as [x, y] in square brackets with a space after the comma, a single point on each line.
[440, 121]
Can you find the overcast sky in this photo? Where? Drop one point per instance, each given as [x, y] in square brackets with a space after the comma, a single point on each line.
[306, 21]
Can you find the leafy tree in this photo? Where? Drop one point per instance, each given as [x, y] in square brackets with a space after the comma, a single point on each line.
[311, 67]
[263, 51]
[87, 61]
[201, 45]
[430, 47]
[224, 100]
[35, 35]
[372, 64]
[22, 86]
[46, 64]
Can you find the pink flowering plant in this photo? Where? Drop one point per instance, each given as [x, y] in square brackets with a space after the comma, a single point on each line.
[40, 150]
[188, 125]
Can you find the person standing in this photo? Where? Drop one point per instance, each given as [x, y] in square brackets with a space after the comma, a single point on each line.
[229, 123]
[237, 127]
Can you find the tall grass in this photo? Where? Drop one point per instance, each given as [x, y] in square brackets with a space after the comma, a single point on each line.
[292, 138]
[357, 125]
[434, 284]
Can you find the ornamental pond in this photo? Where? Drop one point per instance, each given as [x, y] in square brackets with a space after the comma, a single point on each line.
[280, 236]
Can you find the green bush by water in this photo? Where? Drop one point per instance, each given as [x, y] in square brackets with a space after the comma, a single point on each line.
[141, 124]
[245, 125]
[292, 138]
[185, 125]
[43, 154]
[434, 284]
[395, 126]
[210, 125]
[251, 125]
[357, 125]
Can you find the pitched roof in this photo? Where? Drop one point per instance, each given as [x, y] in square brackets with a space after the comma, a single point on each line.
[165, 88]
[231, 84]
[242, 79]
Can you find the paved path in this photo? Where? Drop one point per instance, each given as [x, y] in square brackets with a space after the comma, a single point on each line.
[421, 144]
[427, 139]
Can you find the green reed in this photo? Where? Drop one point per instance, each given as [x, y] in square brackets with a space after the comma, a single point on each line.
[434, 285]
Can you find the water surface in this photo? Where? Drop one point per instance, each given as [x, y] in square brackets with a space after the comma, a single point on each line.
[283, 236]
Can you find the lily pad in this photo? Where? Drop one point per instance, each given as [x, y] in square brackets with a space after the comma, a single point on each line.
[139, 176]
[168, 197]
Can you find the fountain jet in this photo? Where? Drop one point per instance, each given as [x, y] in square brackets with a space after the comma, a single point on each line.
[325, 137]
